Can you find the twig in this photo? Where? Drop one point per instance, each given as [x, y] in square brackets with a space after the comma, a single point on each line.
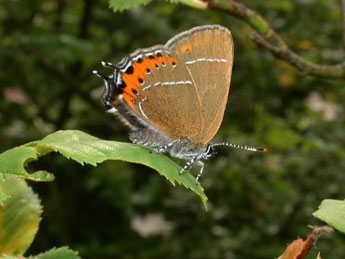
[268, 39]
[303, 65]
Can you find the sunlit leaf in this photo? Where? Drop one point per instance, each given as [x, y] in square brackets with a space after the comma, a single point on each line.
[333, 213]
[199, 4]
[120, 5]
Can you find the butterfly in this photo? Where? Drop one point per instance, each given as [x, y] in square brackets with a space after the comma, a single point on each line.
[173, 96]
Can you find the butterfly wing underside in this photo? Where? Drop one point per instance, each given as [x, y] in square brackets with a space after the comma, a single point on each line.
[167, 98]
[207, 51]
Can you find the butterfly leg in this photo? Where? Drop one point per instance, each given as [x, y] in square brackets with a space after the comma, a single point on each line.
[186, 168]
[200, 163]
[190, 163]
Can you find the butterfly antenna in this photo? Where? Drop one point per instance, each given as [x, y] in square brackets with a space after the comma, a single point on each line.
[100, 75]
[105, 64]
[108, 64]
[239, 146]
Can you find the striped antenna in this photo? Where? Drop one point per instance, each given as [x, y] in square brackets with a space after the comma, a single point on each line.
[108, 64]
[104, 64]
[99, 74]
[239, 146]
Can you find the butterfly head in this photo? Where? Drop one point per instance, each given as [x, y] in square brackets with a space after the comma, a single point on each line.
[113, 85]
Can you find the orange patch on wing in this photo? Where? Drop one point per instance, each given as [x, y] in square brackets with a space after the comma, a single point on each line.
[161, 60]
[131, 83]
[128, 95]
[192, 45]
[147, 64]
[153, 63]
[139, 70]
[185, 48]
[132, 80]
[172, 60]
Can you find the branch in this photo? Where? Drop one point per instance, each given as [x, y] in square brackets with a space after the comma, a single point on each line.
[268, 39]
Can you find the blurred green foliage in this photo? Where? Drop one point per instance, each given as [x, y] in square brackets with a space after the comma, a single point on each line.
[258, 203]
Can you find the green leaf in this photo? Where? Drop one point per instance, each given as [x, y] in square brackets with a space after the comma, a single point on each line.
[55, 253]
[12, 166]
[85, 148]
[19, 218]
[58, 253]
[199, 4]
[333, 213]
[120, 5]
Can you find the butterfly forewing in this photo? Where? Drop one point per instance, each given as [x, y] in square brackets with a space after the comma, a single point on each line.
[207, 51]
[167, 98]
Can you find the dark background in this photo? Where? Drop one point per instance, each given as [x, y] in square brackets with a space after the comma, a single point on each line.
[258, 202]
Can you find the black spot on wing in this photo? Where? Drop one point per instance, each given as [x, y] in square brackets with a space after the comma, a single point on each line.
[135, 91]
[122, 85]
[129, 70]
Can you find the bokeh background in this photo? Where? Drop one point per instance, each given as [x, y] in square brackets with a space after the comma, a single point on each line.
[258, 202]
